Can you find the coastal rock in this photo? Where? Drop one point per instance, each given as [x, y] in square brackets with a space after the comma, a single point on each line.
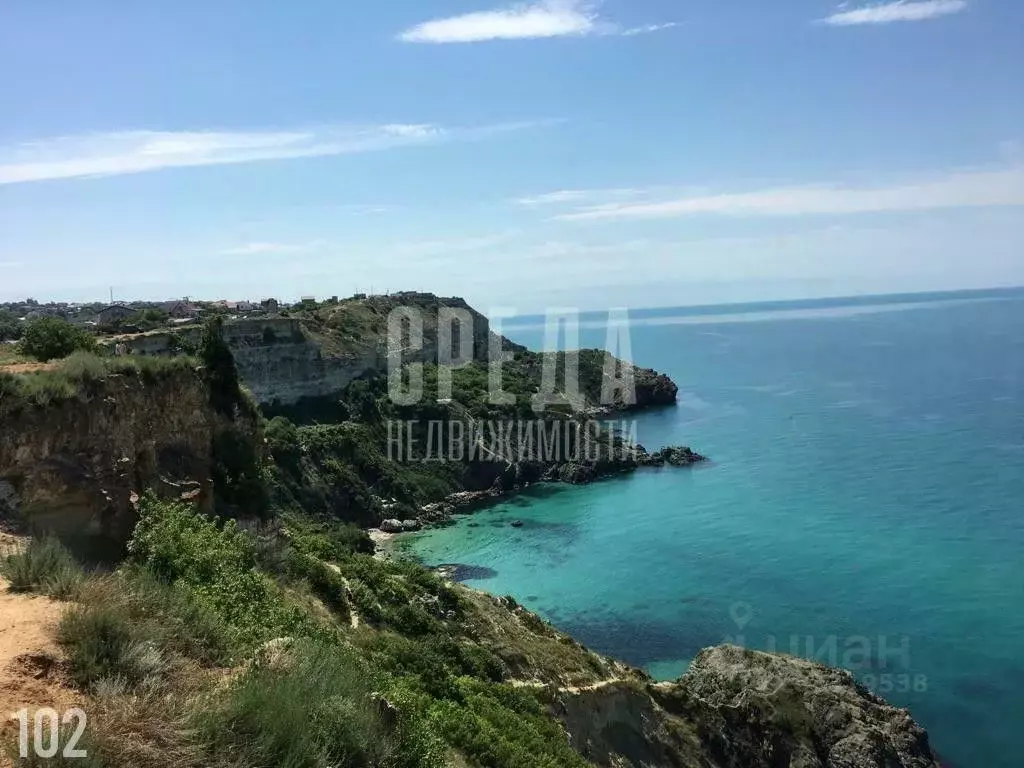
[675, 455]
[736, 708]
[392, 526]
[653, 388]
[773, 705]
[576, 473]
[411, 525]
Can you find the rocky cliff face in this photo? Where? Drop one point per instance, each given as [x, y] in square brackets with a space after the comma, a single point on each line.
[73, 466]
[318, 353]
[736, 708]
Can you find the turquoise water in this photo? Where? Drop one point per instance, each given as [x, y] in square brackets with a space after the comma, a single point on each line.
[866, 490]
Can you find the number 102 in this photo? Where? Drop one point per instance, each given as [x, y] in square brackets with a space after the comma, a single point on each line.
[44, 739]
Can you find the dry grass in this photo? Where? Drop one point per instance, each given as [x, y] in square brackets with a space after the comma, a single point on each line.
[150, 727]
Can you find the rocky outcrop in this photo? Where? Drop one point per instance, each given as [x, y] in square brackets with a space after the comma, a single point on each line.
[653, 388]
[74, 466]
[673, 455]
[736, 708]
[286, 360]
[314, 355]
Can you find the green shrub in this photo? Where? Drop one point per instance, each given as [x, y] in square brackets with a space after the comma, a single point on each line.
[48, 338]
[216, 564]
[10, 326]
[171, 615]
[237, 473]
[326, 583]
[219, 368]
[314, 708]
[43, 566]
[328, 540]
[500, 726]
[102, 643]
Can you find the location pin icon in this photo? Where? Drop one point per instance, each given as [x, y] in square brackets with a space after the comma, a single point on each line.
[741, 614]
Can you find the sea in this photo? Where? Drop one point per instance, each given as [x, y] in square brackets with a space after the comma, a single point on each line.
[863, 505]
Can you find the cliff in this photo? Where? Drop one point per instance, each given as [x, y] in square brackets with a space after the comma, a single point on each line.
[72, 463]
[81, 440]
[309, 358]
[317, 353]
[734, 708]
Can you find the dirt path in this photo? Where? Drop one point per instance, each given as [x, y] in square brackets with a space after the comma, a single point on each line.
[31, 673]
[573, 689]
[26, 367]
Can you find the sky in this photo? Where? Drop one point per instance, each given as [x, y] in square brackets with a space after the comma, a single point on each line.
[549, 153]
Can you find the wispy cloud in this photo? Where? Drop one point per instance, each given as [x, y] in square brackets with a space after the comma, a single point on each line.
[966, 189]
[111, 154]
[646, 29]
[576, 196]
[259, 248]
[903, 10]
[547, 18]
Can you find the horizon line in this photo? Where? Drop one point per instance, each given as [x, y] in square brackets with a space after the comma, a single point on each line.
[854, 297]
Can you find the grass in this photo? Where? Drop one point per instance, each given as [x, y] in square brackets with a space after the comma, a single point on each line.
[45, 566]
[172, 651]
[76, 374]
[103, 645]
[10, 354]
[312, 706]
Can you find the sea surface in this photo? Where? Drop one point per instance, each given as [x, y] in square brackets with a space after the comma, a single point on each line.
[864, 505]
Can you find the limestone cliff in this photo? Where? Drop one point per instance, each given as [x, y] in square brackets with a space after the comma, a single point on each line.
[314, 354]
[72, 465]
[734, 708]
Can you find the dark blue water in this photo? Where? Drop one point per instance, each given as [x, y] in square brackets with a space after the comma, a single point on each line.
[864, 506]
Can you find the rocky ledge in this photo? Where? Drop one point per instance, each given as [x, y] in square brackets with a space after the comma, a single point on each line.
[523, 475]
[737, 708]
[653, 388]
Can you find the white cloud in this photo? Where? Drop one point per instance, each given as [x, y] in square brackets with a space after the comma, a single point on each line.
[111, 154]
[549, 198]
[575, 195]
[966, 189]
[903, 10]
[547, 18]
[646, 29]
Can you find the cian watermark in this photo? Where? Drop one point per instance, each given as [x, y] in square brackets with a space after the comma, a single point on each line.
[882, 663]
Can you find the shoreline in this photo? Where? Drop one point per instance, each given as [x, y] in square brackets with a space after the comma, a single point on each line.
[441, 514]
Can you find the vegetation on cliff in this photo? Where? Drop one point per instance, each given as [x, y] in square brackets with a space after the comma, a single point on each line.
[50, 338]
[77, 376]
[268, 634]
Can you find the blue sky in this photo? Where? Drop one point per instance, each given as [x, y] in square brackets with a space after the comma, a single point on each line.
[589, 154]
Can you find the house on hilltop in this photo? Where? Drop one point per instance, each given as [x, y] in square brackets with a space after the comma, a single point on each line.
[114, 313]
[180, 309]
